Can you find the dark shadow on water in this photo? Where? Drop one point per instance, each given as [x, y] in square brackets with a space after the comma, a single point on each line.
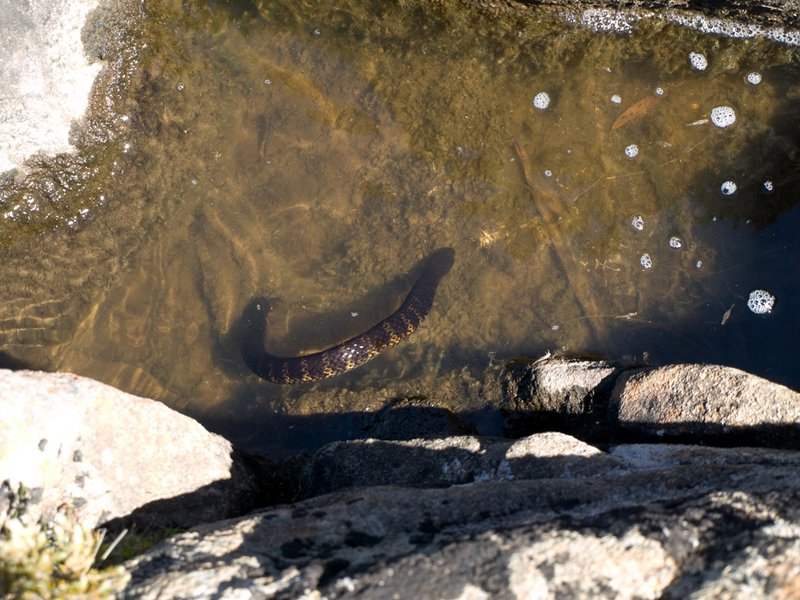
[7, 361]
[278, 436]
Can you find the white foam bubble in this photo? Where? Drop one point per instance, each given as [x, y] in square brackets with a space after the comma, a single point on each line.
[754, 78]
[723, 116]
[698, 61]
[761, 302]
[646, 261]
[728, 188]
[768, 186]
[632, 151]
[541, 100]
[637, 222]
[616, 99]
[675, 242]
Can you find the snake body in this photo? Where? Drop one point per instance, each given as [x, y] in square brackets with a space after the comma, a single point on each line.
[356, 351]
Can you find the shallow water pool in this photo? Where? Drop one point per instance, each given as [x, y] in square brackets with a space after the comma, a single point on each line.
[612, 194]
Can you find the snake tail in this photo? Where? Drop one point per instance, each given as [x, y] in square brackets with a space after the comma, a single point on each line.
[356, 351]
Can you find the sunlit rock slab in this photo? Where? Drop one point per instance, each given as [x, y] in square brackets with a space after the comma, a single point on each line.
[45, 74]
[69, 439]
[706, 400]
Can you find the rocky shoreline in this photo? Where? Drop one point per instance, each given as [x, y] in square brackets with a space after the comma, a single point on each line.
[446, 514]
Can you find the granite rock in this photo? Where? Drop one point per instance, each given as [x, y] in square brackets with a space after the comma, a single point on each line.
[706, 402]
[46, 76]
[448, 461]
[557, 385]
[638, 522]
[69, 439]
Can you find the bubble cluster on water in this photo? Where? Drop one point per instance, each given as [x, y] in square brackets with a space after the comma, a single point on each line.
[768, 186]
[616, 99]
[646, 261]
[723, 116]
[675, 242]
[548, 173]
[180, 86]
[659, 91]
[728, 188]
[637, 223]
[698, 61]
[541, 100]
[605, 19]
[733, 29]
[761, 302]
[632, 151]
[623, 21]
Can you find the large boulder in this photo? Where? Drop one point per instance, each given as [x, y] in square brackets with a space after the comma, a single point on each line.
[708, 403]
[72, 440]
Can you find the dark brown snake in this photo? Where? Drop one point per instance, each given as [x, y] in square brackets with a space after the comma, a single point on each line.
[354, 352]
